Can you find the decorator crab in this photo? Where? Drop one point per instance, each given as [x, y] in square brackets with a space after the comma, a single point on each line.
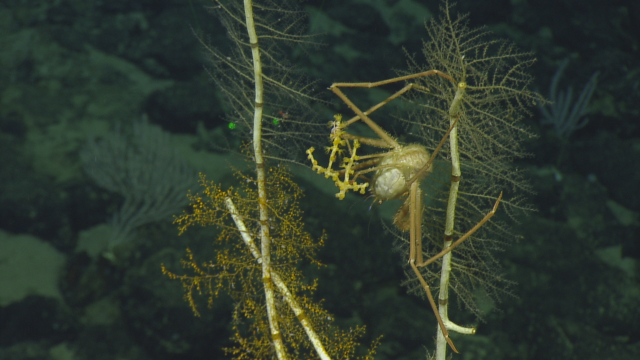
[398, 172]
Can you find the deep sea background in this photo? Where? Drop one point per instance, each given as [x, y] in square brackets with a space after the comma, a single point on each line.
[72, 69]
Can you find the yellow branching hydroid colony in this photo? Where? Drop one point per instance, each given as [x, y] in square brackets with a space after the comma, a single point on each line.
[262, 242]
[336, 149]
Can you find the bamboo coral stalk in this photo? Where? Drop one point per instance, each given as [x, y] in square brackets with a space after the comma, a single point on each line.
[277, 280]
[265, 239]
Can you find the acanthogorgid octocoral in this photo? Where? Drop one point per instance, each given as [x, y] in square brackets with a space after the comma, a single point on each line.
[236, 272]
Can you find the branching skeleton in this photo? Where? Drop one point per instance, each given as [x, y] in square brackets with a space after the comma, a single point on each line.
[397, 173]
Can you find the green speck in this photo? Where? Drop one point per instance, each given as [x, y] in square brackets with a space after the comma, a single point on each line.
[232, 126]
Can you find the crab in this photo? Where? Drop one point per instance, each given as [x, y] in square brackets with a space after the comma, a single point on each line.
[397, 173]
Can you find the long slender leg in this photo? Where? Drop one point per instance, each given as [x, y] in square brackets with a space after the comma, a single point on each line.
[463, 237]
[363, 116]
[365, 140]
[415, 232]
[417, 200]
[415, 247]
[385, 102]
[396, 79]
[377, 129]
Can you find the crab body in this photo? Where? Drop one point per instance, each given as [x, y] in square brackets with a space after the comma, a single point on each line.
[395, 169]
